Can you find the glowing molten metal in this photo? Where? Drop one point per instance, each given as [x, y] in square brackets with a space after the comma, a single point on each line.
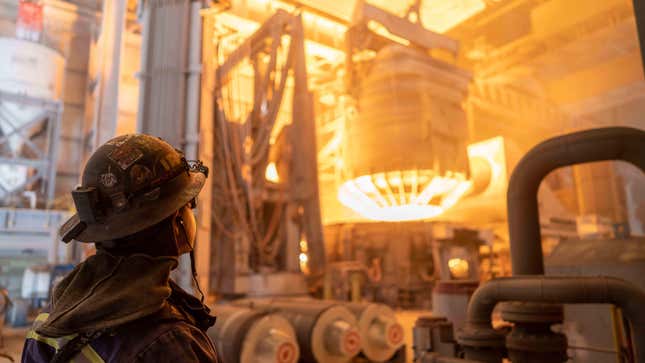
[403, 195]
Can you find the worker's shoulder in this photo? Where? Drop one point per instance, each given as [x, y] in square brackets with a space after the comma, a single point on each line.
[155, 338]
[122, 344]
[182, 343]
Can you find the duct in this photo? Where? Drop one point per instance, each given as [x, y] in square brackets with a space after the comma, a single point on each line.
[611, 143]
[568, 290]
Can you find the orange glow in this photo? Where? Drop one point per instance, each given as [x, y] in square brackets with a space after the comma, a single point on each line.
[436, 15]
[271, 173]
[441, 15]
[303, 245]
[403, 195]
[245, 27]
[458, 268]
[303, 258]
[492, 151]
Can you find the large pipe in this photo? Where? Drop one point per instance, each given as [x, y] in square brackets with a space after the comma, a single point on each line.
[243, 335]
[327, 331]
[567, 290]
[611, 143]
[381, 334]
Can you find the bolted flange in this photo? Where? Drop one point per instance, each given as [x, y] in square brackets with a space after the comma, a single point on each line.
[532, 340]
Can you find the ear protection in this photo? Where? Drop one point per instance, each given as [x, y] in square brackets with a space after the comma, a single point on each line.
[185, 234]
[186, 229]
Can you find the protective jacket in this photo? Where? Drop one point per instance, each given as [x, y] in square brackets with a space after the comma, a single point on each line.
[122, 309]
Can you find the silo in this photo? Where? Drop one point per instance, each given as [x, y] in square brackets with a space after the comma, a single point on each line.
[30, 82]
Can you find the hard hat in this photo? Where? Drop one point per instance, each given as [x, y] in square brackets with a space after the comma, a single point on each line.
[130, 183]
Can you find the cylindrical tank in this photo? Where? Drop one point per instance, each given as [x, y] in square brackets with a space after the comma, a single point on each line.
[32, 70]
[327, 332]
[244, 335]
[381, 333]
[406, 154]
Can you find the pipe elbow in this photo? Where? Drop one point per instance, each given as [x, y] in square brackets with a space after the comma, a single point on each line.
[627, 296]
[483, 301]
[610, 143]
[545, 289]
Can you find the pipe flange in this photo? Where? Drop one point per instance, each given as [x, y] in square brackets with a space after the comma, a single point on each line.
[474, 335]
[539, 343]
[530, 312]
[525, 346]
[381, 333]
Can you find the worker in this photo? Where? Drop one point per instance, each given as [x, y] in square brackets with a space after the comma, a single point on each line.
[120, 304]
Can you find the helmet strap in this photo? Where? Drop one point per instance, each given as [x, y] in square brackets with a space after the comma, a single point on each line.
[194, 272]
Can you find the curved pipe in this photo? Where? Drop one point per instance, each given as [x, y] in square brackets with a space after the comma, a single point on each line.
[567, 290]
[611, 143]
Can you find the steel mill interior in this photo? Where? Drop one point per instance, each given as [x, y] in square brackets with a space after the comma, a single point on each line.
[388, 180]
